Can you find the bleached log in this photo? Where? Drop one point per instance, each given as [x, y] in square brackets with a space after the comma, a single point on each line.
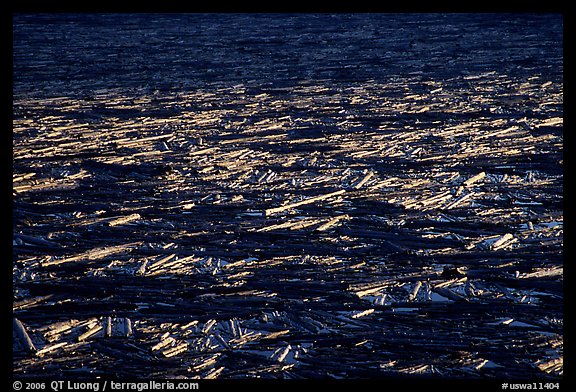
[364, 180]
[108, 332]
[414, 292]
[545, 272]
[459, 200]
[23, 177]
[303, 224]
[211, 360]
[551, 122]
[500, 242]
[281, 353]
[53, 334]
[203, 151]
[450, 282]
[362, 313]
[92, 331]
[214, 373]
[331, 223]
[161, 261]
[449, 294]
[275, 227]
[276, 210]
[244, 339]
[372, 290]
[363, 154]
[163, 343]
[142, 269]
[221, 340]
[175, 350]
[165, 267]
[139, 142]
[437, 198]
[51, 348]
[94, 254]
[127, 327]
[474, 179]
[34, 240]
[209, 324]
[274, 335]
[30, 302]
[551, 365]
[23, 335]
[125, 219]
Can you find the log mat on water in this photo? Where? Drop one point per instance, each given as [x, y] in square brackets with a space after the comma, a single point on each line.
[288, 196]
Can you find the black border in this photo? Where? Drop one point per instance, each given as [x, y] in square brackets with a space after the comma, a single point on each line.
[437, 6]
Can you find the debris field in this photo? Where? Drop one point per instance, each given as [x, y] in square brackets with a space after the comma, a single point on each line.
[288, 196]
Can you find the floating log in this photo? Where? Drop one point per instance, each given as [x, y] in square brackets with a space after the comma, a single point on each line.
[35, 241]
[22, 335]
[92, 331]
[208, 326]
[362, 313]
[272, 211]
[28, 302]
[50, 348]
[414, 292]
[161, 261]
[281, 353]
[178, 349]
[214, 373]
[205, 363]
[551, 122]
[449, 294]
[142, 269]
[277, 334]
[54, 332]
[364, 180]
[127, 327]
[552, 272]
[502, 241]
[163, 343]
[459, 201]
[108, 332]
[474, 179]
[551, 366]
[331, 223]
[94, 254]
[124, 220]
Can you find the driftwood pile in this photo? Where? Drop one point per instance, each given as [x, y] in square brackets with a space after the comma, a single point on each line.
[326, 229]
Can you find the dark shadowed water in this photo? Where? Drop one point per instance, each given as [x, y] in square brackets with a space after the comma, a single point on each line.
[63, 54]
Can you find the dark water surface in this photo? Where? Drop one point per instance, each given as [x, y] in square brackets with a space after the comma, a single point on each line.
[62, 54]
